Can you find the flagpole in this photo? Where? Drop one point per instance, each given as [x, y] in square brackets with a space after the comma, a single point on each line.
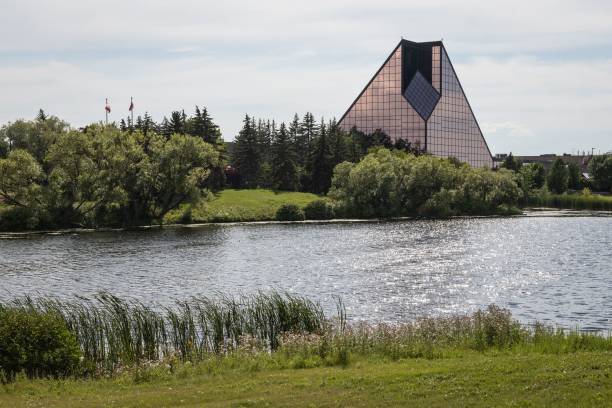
[106, 110]
[132, 105]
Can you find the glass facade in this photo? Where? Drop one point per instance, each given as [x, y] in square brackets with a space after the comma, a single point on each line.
[452, 129]
[382, 106]
[416, 96]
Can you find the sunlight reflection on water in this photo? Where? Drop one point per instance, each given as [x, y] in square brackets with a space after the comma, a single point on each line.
[551, 269]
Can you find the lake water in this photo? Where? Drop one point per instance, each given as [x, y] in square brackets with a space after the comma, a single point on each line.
[551, 269]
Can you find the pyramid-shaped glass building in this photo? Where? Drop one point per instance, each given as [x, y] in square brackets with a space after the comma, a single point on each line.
[416, 96]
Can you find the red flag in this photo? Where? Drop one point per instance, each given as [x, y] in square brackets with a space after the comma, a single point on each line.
[131, 104]
[107, 106]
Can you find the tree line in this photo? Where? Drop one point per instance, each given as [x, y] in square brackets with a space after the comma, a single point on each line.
[105, 175]
[301, 155]
[562, 176]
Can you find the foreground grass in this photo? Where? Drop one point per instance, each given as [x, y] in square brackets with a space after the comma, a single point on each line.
[240, 205]
[474, 379]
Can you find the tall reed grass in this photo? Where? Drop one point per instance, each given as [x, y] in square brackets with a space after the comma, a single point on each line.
[572, 201]
[287, 330]
[114, 332]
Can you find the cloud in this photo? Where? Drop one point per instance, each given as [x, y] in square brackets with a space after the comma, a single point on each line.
[536, 73]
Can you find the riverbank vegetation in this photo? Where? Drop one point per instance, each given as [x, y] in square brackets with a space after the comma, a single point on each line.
[273, 342]
[53, 176]
[142, 173]
[106, 335]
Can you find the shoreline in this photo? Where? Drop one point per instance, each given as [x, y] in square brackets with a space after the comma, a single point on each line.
[545, 212]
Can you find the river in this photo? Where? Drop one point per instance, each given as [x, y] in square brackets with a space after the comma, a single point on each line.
[554, 269]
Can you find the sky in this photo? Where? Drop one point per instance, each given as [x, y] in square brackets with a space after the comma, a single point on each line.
[538, 74]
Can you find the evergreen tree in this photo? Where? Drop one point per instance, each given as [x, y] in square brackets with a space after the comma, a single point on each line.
[284, 169]
[122, 125]
[321, 164]
[511, 163]
[338, 142]
[308, 131]
[177, 123]
[147, 124]
[265, 131]
[557, 177]
[202, 125]
[42, 116]
[294, 130]
[247, 154]
[165, 129]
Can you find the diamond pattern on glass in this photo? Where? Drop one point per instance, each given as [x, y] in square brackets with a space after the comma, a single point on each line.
[422, 96]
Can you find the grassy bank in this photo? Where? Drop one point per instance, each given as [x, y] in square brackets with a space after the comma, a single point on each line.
[572, 201]
[472, 379]
[238, 206]
[282, 350]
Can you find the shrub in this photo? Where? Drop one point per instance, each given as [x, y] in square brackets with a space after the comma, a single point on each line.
[319, 210]
[36, 343]
[289, 212]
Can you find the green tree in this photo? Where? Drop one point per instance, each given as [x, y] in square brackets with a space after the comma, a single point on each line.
[511, 163]
[178, 169]
[202, 125]
[308, 131]
[34, 136]
[284, 168]
[600, 169]
[21, 180]
[558, 177]
[321, 163]
[247, 154]
[573, 172]
[533, 175]
[338, 142]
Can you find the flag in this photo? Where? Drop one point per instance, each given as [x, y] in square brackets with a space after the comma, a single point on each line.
[107, 107]
[131, 104]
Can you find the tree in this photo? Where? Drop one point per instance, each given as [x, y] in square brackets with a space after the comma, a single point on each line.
[308, 131]
[511, 163]
[177, 123]
[247, 155]
[600, 169]
[539, 175]
[557, 177]
[202, 126]
[534, 176]
[573, 172]
[20, 180]
[284, 168]
[338, 142]
[321, 165]
[178, 170]
[4, 147]
[145, 124]
[34, 136]
[41, 116]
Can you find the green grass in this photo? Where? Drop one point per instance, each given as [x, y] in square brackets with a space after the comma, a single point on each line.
[239, 205]
[573, 201]
[280, 350]
[472, 379]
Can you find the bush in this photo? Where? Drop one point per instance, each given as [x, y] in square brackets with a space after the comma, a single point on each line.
[36, 343]
[319, 210]
[289, 212]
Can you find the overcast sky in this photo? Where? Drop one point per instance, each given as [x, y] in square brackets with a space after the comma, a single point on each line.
[538, 74]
